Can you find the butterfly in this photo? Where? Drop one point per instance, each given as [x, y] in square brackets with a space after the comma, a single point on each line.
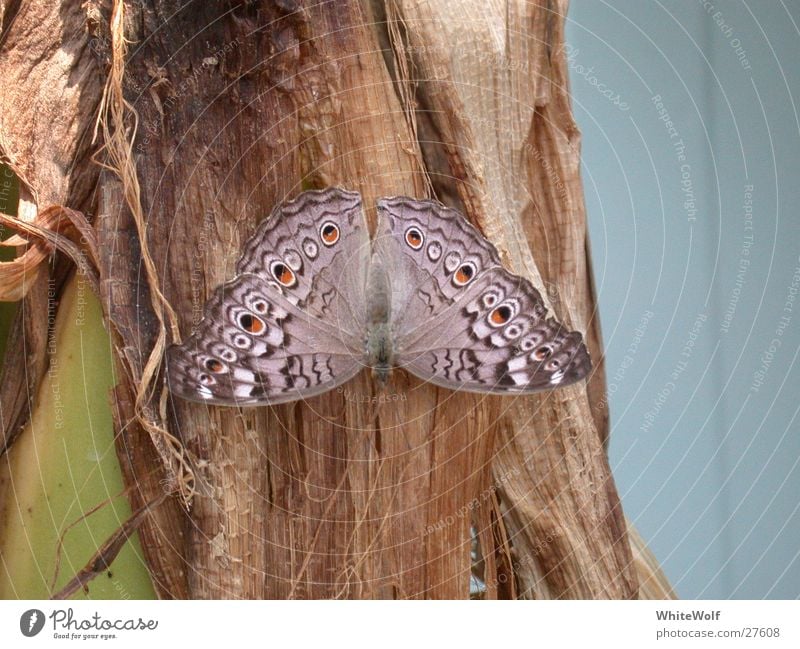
[315, 300]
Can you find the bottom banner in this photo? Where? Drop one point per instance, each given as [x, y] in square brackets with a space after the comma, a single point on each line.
[399, 624]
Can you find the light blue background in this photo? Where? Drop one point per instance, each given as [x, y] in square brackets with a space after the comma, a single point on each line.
[704, 451]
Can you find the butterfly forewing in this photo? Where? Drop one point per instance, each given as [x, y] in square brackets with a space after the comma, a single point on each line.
[316, 249]
[419, 241]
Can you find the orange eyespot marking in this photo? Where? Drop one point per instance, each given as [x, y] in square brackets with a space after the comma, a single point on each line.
[260, 306]
[542, 353]
[251, 323]
[283, 274]
[464, 274]
[500, 315]
[329, 232]
[214, 365]
[414, 238]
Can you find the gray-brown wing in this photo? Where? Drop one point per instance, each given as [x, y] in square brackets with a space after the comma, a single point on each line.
[253, 347]
[473, 325]
[420, 245]
[315, 250]
[292, 322]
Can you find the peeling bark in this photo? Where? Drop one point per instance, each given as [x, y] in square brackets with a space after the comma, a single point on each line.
[51, 90]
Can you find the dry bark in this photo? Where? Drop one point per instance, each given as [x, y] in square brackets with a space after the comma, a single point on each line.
[51, 90]
[496, 86]
[242, 106]
[653, 584]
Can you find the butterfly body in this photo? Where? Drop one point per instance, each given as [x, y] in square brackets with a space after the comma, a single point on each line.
[315, 300]
[379, 355]
[379, 352]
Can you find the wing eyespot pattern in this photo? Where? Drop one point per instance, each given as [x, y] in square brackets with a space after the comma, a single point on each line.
[228, 355]
[329, 233]
[293, 259]
[251, 323]
[512, 331]
[501, 315]
[310, 248]
[414, 237]
[489, 299]
[434, 250]
[464, 274]
[214, 366]
[241, 341]
[206, 380]
[542, 353]
[451, 262]
[283, 274]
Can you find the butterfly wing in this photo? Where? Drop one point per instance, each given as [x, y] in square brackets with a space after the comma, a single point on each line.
[458, 318]
[290, 325]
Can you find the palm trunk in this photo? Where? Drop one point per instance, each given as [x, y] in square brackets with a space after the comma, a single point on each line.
[242, 106]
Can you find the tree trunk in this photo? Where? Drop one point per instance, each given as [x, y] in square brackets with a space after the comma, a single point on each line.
[242, 106]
